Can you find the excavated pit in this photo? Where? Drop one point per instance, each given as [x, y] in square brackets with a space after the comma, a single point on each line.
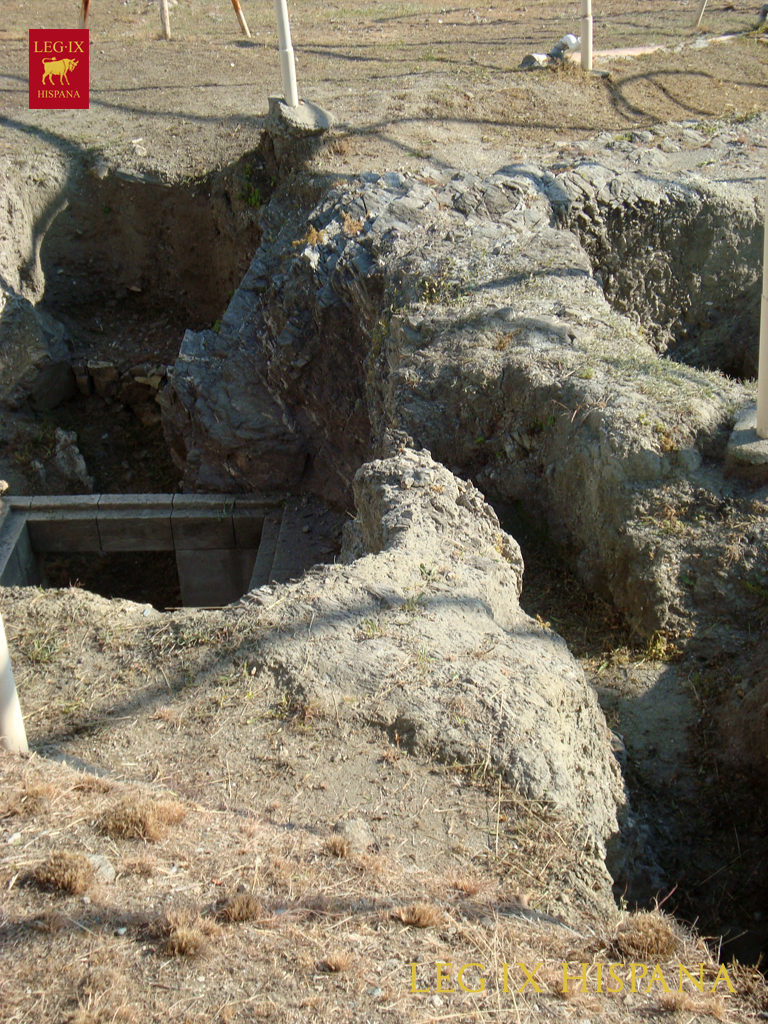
[128, 266]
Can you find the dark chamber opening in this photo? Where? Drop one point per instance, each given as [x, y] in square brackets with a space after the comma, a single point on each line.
[147, 577]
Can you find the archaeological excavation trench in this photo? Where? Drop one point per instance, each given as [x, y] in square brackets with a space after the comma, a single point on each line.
[512, 326]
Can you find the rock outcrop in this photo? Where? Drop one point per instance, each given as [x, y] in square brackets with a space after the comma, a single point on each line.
[35, 364]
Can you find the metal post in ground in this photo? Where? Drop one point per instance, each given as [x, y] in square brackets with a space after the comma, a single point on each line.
[586, 35]
[287, 65]
[241, 18]
[12, 734]
[165, 20]
[700, 12]
[762, 364]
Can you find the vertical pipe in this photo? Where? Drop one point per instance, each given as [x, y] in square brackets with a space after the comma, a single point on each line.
[586, 35]
[164, 19]
[287, 65]
[762, 359]
[12, 734]
[84, 13]
[700, 12]
[241, 18]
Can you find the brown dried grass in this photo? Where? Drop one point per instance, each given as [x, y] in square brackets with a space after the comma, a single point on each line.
[337, 846]
[184, 932]
[419, 915]
[647, 934]
[143, 867]
[683, 1002]
[470, 885]
[241, 907]
[65, 871]
[138, 817]
[335, 962]
[33, 800]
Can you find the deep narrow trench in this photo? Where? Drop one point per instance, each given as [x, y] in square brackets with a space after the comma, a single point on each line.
[689, 843]
[128, 265]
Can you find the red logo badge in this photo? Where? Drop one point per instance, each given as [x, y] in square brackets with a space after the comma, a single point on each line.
[58, 69]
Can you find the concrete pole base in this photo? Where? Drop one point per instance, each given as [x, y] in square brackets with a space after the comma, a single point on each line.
[747, 454]
[292, 134]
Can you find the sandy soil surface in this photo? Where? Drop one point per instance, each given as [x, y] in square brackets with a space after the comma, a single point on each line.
[407, 81]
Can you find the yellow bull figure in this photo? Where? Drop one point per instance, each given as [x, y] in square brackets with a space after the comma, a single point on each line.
[62, 67]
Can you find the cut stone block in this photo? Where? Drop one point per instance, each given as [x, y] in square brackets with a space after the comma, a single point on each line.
[81, 503]
[266, 556]
[213, 578]
[248, 524]
[139, 531]
[11, 569]
[135, 522]
[64, 531]
[199, 530]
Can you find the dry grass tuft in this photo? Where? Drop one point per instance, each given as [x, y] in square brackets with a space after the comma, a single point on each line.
[241, 907]
[65, 872]
[468, 884]
[647, 934]
[184, 940]
[351, 225]
[143, 867]
[140, 818]
[33, 800]
[93, 784]
[335, 962]
[312, 237]
[420, 915]
[184, 932]
[103, 998]
[683, 1002]
[337, 846]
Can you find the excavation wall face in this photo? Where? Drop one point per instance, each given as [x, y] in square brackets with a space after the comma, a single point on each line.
[122, 238]
[277, 396]
[684, 259]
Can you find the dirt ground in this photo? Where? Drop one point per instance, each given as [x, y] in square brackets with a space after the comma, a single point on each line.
[189, 846]
[161, 716]
[406, 81]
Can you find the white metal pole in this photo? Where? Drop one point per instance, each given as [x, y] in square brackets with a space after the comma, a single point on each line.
[586, 35]
[165, 20]
[762, 358]
[287, 65]
[12, 734]
[700, 12]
